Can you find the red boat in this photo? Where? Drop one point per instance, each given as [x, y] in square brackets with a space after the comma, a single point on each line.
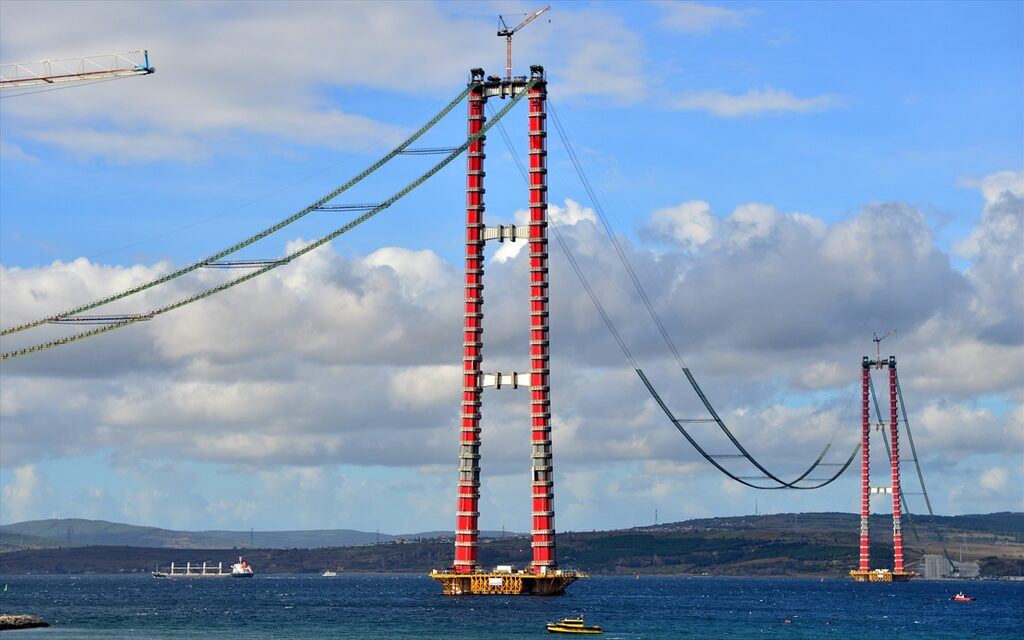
[960, 597]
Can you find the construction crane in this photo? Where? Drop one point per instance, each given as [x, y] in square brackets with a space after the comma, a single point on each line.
[878, 342]
[508, 33]
[63, 70]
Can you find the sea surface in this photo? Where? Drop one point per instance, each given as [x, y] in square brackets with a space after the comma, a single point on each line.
[410, 606]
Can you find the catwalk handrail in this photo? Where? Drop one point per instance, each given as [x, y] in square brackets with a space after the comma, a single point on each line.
[917, 465]
[783, 484]
[666, 337]
[904, 507]
[250, 240]
[617, 336]
[743, 452]
[288, 258]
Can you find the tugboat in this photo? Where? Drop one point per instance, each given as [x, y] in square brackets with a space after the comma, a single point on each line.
[961, 597]
[572, 625]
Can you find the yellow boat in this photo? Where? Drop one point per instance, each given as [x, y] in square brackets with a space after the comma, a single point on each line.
[572, 625]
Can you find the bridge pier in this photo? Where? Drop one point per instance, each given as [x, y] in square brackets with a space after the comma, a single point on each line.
[864, 573]
[466, 576]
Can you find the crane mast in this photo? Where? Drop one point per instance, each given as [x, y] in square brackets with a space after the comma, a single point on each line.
[508, 33]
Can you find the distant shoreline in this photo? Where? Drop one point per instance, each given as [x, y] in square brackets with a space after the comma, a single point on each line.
[810, 546]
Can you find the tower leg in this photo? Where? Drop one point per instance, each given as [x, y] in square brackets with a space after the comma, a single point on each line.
[894, 428]
[540, 404]
[467, 514]
[865, 466]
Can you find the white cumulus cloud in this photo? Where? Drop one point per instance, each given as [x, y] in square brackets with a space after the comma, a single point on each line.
[755, 102]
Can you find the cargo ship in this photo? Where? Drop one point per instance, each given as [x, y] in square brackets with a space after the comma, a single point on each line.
[240, 569]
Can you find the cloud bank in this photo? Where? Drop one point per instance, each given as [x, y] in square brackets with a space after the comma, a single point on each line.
[353, 361]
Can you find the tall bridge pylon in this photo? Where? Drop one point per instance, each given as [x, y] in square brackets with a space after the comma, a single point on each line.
[467, 576]
[864, 573]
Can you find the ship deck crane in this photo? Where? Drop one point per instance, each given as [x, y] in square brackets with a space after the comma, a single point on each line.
[65, 70]
[507, 33]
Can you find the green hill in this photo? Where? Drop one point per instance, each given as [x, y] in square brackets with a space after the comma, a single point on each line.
[822, 544]
[75, 532]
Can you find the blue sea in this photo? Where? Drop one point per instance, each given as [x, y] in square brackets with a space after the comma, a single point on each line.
[410, 606]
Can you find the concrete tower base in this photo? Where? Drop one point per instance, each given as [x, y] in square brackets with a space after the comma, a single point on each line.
[882, 575]
[503, 584]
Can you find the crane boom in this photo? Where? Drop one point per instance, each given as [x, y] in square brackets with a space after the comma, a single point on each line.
[530, 18]
[878, 342]
[508, 33]
[62, 70]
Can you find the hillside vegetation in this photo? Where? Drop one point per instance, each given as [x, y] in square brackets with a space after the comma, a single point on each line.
[810, 544]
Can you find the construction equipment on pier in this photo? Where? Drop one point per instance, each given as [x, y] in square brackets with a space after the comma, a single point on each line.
[507, 33]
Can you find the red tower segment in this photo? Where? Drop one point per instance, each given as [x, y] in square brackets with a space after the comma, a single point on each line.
[467, 514]
[864, 572]
[894, 427]
[540, 402]
[865, 466]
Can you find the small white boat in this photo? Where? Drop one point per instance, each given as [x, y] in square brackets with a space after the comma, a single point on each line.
[328, 574]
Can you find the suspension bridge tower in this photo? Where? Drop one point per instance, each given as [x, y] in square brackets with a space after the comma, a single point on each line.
[864, 573]
[542, 576]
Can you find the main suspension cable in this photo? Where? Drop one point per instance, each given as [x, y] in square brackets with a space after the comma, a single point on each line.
[888, 454]
[666, 337]
[744, 481]
[572, 258]
[250, 240]
[610, 324]
[920, 474]
[286, 259]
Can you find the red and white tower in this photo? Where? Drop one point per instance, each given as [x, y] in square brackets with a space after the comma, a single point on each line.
[542, 576]
[540, 399]
[863, 573]
[467, 514]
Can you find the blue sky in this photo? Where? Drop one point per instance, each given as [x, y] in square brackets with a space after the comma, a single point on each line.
[811, 127]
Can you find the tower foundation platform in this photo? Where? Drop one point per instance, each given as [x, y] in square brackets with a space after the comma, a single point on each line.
[882, 575]
[506, 584]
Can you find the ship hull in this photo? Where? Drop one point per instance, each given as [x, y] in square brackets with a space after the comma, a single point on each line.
[163, 574]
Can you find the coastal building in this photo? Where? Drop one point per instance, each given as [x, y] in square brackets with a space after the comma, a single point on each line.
[937, 567]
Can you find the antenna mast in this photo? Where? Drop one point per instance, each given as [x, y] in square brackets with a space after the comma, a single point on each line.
[508, 33]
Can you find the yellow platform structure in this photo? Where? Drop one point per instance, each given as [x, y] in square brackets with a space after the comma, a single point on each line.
[506, 583]
[882, 575]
